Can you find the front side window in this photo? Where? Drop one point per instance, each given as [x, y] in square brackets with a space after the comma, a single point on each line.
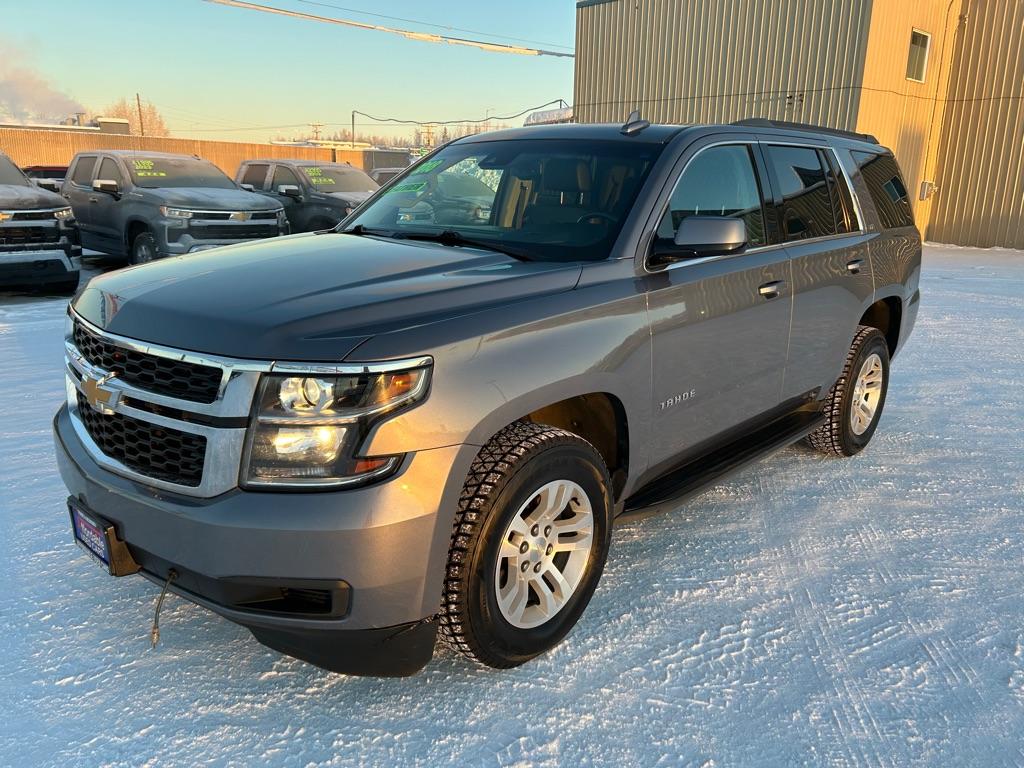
[164, 172]
[284, 175]
[719, 181]
[540, 199]
[110, 172]
[885, 185]
[256, 175]
[806, 211]
[917, 58]
[82, 175]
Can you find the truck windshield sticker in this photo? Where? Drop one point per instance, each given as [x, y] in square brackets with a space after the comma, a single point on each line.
[427, 167]
[146, 168]
[411, 186]
[317, 176]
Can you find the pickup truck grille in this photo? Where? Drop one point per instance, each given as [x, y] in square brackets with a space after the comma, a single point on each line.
[30, 237]
[158, 452]
[233, 231]
[160, 375]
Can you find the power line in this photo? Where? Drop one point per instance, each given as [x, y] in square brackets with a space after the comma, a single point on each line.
[453, 122]
[430, 24]
[406, 33]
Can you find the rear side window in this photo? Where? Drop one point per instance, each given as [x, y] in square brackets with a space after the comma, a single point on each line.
[256, 174]
[110, 172]
[885, 185]
[806, 211]
[719, 181]
[82, 175]
[839, 191]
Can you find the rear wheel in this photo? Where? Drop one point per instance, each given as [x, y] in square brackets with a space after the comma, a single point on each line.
[143, 248]
[529, 544]
[855, 403]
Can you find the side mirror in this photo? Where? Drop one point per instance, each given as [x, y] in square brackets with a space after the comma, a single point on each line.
[248, 187]
[107, 186]
[700, 236]
[48, 184]
[289, 190]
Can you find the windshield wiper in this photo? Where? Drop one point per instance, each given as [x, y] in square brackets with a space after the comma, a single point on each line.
[452, 237]
[361, 231]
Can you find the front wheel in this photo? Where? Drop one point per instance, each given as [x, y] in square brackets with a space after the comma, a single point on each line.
[143, 248]
[854, 404]
[530, 542]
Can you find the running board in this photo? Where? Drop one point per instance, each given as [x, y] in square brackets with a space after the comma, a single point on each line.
[689, 479]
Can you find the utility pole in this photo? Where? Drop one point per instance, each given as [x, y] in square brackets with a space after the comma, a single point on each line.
[316, 130]
[353, 136]
[138, 104]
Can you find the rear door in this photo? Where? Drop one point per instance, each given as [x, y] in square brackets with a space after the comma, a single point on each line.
[821, 226]
[719, 325]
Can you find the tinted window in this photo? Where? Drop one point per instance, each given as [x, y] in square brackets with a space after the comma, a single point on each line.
[885, 185]
[9, 173]
[83, 170]
[917, 58]
[718, 182]
[256, 175]
[546, 199]
[338, 178]
[806, 209]
[284, 175]
[110, 172]
[164, 172]
[839, 191]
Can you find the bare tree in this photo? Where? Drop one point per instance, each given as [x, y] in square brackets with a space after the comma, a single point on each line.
[152, 120]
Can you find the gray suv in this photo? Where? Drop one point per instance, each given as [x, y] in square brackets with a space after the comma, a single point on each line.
[146, 205]
[346, 441]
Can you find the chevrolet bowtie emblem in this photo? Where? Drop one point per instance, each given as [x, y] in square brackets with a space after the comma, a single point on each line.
[100, 398]
[240, 216]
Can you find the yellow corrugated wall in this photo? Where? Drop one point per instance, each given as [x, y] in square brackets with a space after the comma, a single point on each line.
[720, 60]
[980, 167]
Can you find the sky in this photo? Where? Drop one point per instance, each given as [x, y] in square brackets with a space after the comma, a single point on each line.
[227, 73]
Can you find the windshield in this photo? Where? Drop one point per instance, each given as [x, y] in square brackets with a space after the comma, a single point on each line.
[9, 173]
[156, 172]
[553, 200]
[338, 178]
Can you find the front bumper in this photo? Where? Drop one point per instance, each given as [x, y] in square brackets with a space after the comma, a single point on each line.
[38, 268]
[176, 240]
[380, 551]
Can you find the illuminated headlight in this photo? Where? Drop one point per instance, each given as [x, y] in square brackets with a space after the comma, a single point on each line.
[63, 214]
[175, 213]
[308, 430]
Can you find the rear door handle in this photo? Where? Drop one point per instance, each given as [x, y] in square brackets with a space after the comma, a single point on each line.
[771, 290]
[853, 267]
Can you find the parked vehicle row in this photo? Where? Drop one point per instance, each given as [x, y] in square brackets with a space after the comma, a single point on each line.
[426, 420]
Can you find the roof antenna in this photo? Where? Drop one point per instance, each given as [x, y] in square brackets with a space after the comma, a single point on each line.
[634, 124]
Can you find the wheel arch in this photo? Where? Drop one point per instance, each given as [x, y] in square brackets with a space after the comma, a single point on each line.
[885, 314]
[132, 229]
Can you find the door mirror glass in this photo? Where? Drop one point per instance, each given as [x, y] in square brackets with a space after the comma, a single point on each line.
[289, 190]
[107, 186]
[700, 236]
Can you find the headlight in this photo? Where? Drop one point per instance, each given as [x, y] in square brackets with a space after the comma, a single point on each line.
[63, 214]
[175, 213]
[6, 215]
[282, 217]
[308, 430]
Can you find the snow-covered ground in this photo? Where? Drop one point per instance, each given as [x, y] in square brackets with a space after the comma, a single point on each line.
[814, 611]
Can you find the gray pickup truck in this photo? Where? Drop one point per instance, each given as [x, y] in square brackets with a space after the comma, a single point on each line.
[347, 440]
[39, 247]
[147, 205]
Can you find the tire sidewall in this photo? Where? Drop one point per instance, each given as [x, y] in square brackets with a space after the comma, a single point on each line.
[851, 442]
[143, 238]
[559, 462]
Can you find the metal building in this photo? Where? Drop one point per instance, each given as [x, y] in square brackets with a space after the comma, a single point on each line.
[941, 82]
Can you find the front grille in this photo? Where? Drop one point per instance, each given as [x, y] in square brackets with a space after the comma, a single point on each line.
[151, 450]
[29, 236]
[226, 215]
[34, 216]
[160, 375]
[233, 232]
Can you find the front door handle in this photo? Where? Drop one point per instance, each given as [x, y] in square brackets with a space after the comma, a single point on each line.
[771, 290]
[853, 267]
[94, 199]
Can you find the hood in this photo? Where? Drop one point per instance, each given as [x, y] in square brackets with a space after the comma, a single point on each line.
[308, 297]
[212, 199]
[15, 197]
[351, 197]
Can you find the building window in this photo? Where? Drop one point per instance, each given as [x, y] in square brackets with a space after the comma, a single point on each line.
[917, 60]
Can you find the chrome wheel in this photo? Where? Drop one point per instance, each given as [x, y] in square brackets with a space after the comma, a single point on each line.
[544, 554]
[867, 393]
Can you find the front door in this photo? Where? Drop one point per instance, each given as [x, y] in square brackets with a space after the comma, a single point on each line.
[106, 222]
[719, 325]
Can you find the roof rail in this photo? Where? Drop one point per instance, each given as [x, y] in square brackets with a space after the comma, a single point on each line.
[760, 122]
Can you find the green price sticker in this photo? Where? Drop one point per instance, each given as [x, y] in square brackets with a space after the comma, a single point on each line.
[427, 167]
[410, 186]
